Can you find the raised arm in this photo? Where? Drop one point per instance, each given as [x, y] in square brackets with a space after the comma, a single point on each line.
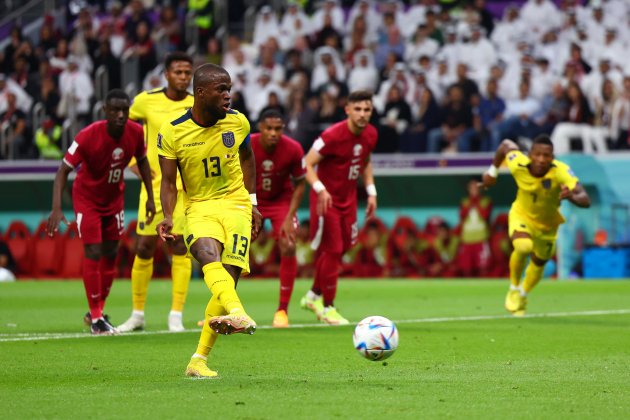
[370, 188]
[145, 174]
[56, 215]
[324, 199]
[168, 197]
[248, 166]
[577, 196]
[490, 176]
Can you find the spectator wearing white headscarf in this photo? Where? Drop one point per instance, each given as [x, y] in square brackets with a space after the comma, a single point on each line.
[364, 74]
[266, 26]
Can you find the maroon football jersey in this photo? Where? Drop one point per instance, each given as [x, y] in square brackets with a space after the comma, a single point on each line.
[100, 161]
[344, 158]
[275, 170]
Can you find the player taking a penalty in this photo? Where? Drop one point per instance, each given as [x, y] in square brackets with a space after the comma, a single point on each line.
[210, 147]
[534, 217]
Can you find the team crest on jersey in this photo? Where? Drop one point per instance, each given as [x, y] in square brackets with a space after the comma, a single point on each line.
[267, 165]
[228, 139]
[357, 149]
[546, 183]
[118, 153]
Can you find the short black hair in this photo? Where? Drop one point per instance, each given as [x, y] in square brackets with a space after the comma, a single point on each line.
[116, 94]
[543, 139]
[177, 56]
[360, 95]
[206, 73]
[270, 113]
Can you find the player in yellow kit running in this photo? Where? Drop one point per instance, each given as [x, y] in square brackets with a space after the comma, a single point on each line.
[534, 217]
[210, 147]
[153, 108]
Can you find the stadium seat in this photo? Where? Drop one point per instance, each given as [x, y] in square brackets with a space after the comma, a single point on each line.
[46, 253]
[72, 258]
[18, 239]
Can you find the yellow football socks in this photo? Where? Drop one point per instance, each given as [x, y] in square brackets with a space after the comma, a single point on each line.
[533, 274]
[208, 336]
[141, 273]
[222, 285]
[181, 269]
[522, 248]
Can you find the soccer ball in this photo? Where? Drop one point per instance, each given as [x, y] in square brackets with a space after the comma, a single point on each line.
[375, 338]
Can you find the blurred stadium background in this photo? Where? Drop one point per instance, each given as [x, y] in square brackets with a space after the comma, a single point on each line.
[558, 68]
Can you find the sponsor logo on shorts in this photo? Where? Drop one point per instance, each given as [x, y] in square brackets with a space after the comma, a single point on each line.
[141, 225]
[228, 139]
[189, 239]
[159, 141]
[234, 257]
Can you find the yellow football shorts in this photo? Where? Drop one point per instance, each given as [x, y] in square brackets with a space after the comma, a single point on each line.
[226, 221]
[149, 229]
[544, 240]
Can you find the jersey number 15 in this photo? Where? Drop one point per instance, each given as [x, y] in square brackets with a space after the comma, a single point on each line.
[354, 172]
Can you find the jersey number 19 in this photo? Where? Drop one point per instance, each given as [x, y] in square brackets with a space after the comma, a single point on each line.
[114, 175]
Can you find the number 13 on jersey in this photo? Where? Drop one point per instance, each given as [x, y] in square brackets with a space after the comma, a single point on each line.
[211, 166]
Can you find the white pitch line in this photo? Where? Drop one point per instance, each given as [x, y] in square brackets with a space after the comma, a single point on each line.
[7, 337]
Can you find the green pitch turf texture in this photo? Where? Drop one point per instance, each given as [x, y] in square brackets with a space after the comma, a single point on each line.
[460, 356]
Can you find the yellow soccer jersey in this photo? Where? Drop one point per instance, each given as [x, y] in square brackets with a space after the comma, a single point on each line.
[538, 199]
[152, 108]
[207, 157]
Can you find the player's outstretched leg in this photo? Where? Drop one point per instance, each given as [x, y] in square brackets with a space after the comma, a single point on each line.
[236, 323]
[222, 285]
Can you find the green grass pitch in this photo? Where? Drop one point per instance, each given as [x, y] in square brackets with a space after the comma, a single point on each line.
[459, 355]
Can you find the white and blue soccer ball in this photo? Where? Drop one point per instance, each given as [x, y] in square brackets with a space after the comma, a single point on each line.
[375, 338]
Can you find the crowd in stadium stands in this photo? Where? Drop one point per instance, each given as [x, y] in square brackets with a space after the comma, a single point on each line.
[446, 79]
